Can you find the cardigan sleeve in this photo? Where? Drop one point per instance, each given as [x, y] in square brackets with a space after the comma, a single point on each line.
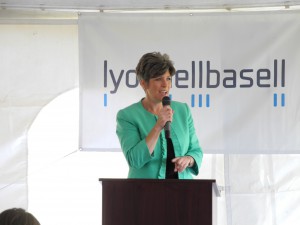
[133, 145]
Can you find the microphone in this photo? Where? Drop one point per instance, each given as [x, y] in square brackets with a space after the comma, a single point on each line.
[167, 101]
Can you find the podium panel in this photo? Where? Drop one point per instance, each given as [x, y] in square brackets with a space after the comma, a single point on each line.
[158, 202]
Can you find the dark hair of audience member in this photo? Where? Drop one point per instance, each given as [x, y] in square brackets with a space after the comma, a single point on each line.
[17, 216]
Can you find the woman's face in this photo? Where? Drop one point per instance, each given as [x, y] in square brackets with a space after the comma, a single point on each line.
[157, 87]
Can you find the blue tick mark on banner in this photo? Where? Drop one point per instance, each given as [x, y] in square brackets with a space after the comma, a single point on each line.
[105, 100]
[282, 100]
[193, 100]
[200, 100]
[207, 101]
[276, 100]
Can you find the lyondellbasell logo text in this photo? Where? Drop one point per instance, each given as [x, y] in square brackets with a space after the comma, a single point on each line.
[204, 75]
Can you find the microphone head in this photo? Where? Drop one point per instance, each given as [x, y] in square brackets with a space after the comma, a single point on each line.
[166, 101]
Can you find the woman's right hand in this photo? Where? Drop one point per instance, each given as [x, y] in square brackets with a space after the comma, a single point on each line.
[165, 115]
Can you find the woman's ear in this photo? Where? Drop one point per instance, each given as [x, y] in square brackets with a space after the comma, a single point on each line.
[143, 84]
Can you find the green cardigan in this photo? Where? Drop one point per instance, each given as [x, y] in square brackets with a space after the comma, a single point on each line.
[133, 125]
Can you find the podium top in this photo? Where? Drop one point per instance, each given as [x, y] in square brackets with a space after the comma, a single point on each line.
[157, 180]
[211, 182]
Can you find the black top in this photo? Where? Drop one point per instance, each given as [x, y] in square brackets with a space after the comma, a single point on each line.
[170, 174]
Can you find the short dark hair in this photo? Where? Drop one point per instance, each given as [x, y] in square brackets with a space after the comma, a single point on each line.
[17, 216]
[152, 65]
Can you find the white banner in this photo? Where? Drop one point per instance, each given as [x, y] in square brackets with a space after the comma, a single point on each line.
[239, 73]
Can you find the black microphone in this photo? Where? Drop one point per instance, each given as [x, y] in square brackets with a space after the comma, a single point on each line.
[167, 101]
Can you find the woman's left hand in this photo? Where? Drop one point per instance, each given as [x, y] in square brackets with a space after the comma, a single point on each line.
[181, 163]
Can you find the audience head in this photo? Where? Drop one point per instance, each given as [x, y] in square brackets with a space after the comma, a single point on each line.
[17, 216]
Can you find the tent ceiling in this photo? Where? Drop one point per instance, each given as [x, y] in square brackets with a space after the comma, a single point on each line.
[142, 4]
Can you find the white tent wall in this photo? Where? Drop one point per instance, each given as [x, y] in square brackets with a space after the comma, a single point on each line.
[38, 62]
[262, 189]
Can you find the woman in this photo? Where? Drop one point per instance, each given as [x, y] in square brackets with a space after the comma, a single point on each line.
[140, 127]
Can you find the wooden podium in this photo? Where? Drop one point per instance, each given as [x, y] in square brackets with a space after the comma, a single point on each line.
[158, 202]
